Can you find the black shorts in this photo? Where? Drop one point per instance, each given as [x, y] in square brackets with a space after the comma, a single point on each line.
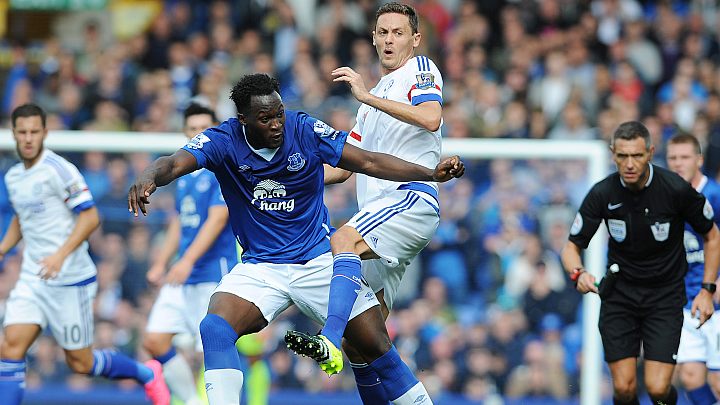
[631, 314]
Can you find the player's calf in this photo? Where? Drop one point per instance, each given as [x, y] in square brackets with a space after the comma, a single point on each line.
[223, 377]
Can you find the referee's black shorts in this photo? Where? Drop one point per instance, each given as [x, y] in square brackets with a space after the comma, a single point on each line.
[631, 314]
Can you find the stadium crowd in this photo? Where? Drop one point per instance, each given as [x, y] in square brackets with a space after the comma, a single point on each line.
[487, 311]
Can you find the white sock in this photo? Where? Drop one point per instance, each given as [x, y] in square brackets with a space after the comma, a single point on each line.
[223, 386]
[179, 378]
[417, 395]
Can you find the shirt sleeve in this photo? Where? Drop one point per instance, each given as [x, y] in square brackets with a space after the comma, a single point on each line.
[72, 188]
[426, 82]
[588, 219]
[209, 147]
[696, 210]
[328, 140]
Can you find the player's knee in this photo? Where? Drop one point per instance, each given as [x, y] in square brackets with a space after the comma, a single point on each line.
[625, 390]
[345, 239]
[376, 347]
[657, 389]
[691, 378]
[155, 345]
[352, 354]
[12, 349]
[79, 364]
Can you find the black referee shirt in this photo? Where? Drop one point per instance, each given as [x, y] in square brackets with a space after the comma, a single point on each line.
[647, 227]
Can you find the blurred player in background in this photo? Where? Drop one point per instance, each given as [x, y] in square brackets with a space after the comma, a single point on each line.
[269, 165]
[55, 214]
[400, 116]
[698, 352]
[205, 246]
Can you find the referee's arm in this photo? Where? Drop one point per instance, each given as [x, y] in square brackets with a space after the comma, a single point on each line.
[571, 260]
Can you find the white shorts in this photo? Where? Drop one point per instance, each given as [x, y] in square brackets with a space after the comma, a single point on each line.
[396, 227]
[68, 310]
[180, 308]
[700, 345]
[274, 287]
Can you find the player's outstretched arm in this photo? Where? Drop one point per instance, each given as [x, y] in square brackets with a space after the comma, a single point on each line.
[161, 172]
[388, 167]
[13, 235]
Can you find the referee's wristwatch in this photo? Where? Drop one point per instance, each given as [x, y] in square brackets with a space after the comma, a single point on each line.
[710, 287]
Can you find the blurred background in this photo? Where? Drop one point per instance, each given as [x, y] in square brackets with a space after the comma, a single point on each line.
[486, 314]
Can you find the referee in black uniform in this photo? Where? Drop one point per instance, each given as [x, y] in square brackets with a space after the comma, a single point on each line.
[644, 208]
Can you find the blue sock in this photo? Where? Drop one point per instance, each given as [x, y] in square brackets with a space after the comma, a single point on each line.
[702, 395]
[368, 384]
[114, 365]
[344, 287]
[164, 358]
[395, 376]
[218, 339]
[12, 381]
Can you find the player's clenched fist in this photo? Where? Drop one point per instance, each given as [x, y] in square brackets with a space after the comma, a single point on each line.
[449, 168]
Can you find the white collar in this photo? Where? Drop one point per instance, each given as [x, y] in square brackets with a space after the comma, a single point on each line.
[265, 153]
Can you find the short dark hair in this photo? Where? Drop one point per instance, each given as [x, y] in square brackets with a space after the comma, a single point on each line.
[198, 109]
[28, 110]
[632, 130]
[684, 137]
[257, 84]
[399, 8]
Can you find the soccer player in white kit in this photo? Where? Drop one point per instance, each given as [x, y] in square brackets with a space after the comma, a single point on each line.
[205, 246]
[400, 116]
[54, 215]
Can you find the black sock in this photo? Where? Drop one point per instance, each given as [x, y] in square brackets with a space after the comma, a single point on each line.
[670, 399]
[633, 401]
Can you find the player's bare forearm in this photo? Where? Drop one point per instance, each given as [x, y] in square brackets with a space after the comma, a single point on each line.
[207, 234]
[87, 221]
[168, 168]
[160, 172]
[388, 167]
[571, 257]
[170, 245]
[12, 236]
[334, 175]
[426, 115]
[711, 251]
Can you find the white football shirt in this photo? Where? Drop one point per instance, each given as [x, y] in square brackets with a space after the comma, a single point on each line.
[416, 82]
[45, 198]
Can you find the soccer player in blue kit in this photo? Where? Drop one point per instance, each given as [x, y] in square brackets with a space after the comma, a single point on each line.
[698, 352]
[205, 243]
[269, 163]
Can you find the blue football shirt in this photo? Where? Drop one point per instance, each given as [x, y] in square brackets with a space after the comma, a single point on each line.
[694, 244]
[196, 193]
[276, 206]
